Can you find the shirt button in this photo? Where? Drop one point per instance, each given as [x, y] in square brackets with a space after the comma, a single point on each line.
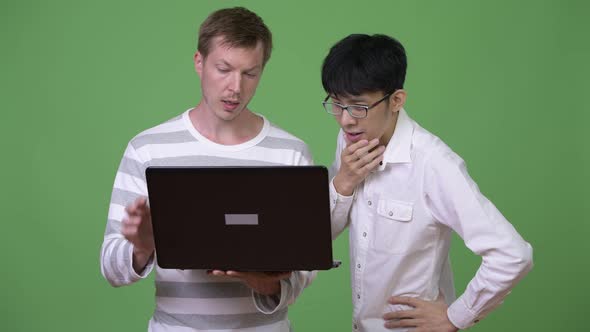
[370, 203]
[390, 213]
[355, 327]
[358, 265]
[358, 296]
[334, 201]
[364, 234]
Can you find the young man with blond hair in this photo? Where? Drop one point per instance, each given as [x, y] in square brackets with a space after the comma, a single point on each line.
[233, 48]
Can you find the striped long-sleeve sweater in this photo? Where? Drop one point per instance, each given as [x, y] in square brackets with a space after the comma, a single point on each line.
[191, 300]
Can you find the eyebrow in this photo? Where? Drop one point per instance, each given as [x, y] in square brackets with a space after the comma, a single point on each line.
[352, 101]
[225, 63]
[357, 101]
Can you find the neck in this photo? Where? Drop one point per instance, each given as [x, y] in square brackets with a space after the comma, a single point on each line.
[388, 134]
[238, 130]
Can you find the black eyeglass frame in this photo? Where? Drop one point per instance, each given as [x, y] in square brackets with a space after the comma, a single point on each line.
[328, 106]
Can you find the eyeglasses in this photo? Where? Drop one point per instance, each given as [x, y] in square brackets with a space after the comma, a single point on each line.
[356, 111]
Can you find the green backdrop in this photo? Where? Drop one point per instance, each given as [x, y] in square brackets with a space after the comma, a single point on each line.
[504, 83]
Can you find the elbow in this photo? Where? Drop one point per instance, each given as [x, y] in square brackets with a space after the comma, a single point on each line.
[510, 265]
[109, 275]
[109, 269]
[112, 281]
[524, 259]
[115, 284]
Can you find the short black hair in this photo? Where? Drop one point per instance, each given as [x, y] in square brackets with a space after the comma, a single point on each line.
[362, 63]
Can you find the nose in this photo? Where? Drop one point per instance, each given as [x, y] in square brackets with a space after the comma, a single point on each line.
[235, 83]
[346, 119]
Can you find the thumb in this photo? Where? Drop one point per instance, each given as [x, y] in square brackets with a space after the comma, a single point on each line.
[142, 201]
[441, 297]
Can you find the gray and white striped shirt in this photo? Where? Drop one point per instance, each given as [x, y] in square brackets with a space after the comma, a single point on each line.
[191, 300]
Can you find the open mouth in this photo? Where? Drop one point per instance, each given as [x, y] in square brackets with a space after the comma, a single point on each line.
[352, 136]
[230, 105]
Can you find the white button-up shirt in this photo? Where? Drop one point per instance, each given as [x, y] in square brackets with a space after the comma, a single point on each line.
[400, 223]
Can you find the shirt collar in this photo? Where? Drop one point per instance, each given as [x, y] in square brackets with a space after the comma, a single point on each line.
[399, 146]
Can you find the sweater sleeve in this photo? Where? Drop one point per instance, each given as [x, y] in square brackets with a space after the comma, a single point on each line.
[117, 253]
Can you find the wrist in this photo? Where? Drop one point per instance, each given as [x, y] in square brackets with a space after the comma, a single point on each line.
[271, 289]
[275, 289]
[267, 288]
[142, 252]
[343, 187]
[141, 258]
[452, 327]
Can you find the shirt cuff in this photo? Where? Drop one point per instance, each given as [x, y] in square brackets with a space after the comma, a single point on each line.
[336, 198]
[269, 304]
[461, 316]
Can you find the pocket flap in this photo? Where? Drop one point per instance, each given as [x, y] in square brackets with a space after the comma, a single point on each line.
[396, 210]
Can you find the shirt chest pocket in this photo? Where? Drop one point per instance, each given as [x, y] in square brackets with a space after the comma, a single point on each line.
[393, 228]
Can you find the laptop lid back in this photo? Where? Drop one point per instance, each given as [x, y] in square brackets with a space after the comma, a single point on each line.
[241, 218]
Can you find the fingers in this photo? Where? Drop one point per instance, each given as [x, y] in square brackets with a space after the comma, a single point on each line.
[229, 273]
[363, 150]
[373, 164]
[127, 230]
[404, 314]
[371, 159]
[350, 149]
[130, 226]
[244, 276]
[359, 149]
[218, 273]
[132, 221]
[138, 207]
[132, 208]
[411, 301]
[239, 275]
[359, 155]
[392, 324]
[261, 276]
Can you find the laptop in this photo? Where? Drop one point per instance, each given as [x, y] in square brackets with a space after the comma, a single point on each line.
[271, 218]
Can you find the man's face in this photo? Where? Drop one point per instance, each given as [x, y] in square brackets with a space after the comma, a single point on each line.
[379, 122]
[229, 77]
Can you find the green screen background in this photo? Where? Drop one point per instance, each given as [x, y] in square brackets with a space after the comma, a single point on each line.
[504, 83]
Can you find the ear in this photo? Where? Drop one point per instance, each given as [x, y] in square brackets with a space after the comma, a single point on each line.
[397, 100]
[198, 58]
